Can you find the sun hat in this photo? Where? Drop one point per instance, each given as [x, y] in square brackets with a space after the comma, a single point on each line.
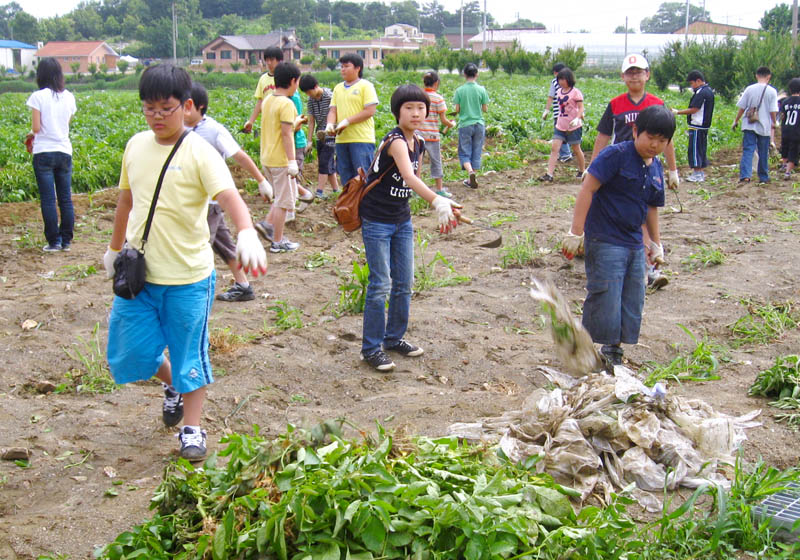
[634, 60]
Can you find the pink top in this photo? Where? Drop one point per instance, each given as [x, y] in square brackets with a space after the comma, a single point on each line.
[567, 108]
[430, 126]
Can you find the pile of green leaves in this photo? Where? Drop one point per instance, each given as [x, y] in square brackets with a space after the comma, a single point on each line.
[292, 498]
[782, 380]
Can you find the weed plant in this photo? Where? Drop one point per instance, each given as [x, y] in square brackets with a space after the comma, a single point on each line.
[705, 256]
[286, 316]
[764, 323]
[418, 205]
[74, 272]
[353, 290]
[426, 276]
[91, 375]
[700, 364]
[500, 219]
[223, 340]
[318, 260]
[782, 380]
[520, 252]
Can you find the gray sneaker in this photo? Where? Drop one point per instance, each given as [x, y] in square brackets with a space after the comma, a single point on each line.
[52, 248]
[193, 443]
[265, 230]
[237, 292]
[283, 246]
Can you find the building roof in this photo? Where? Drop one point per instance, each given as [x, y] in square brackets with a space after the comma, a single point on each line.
[73, 48]
[259, 42]
[713, 28]
[11, 44]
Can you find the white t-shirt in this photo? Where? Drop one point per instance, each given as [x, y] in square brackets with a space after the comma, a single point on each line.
[56, 110]
[769, 104]
[218, 136]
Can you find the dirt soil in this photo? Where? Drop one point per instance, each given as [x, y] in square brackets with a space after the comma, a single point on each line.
[483, 341]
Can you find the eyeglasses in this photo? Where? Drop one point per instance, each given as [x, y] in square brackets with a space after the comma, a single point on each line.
[161, 113]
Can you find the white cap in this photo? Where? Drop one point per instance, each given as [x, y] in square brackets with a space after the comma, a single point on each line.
[634, 60]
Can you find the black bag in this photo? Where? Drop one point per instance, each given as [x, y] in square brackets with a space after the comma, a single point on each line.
[129, 268]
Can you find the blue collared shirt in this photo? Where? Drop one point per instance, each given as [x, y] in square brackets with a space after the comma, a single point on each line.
[629, 187]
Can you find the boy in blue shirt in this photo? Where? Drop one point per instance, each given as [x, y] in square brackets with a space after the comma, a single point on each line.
[619, 198]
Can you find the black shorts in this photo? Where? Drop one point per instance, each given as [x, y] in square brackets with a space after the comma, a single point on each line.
[790, 148]
[326, 155]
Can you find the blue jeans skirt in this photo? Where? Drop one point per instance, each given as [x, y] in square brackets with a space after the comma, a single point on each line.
[615, 285]
[390, 255]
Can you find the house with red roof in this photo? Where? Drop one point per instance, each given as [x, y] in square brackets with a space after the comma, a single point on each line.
[84, 53]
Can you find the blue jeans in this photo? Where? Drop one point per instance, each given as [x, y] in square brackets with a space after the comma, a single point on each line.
[615, 282]
[470, 145]
[750, 143]
[53, 172]
[352, 155]
[390, 255]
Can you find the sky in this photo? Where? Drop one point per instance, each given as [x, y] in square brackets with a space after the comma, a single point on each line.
[572, 15]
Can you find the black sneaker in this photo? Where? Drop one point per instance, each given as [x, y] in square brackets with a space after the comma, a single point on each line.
[546, 177]
[265, 230]
[65, 247]
[565, 159]
[379, 360]
[613, 353]
[52, 248]
[193, 443]
[172, 411]
[406, 349]
[237, 292]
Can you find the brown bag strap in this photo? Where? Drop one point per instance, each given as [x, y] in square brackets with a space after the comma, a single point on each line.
[760, 99]
[383, 147]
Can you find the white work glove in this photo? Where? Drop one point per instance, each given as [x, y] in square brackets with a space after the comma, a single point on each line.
[674, 181]
[248, 127]
[342, 125]
[108, 261]
[545, 114]
[444, 210]
[294, 171]
[576, 123]
[330, 129]
[675, 111]
[656, 253]
[572, 245]
[250, 253]
[299, 121]
[265, 190]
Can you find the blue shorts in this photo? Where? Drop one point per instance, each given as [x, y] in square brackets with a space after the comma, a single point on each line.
[326, 156]
[572, 137]
[174, 317]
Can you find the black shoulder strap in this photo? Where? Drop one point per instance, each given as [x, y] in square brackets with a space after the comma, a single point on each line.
[158, 189]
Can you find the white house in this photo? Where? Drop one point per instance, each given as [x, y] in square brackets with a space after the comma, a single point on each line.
[14, 54]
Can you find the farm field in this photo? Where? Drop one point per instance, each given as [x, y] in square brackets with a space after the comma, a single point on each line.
[291, 357]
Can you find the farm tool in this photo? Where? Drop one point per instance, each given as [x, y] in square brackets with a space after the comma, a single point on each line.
[492, 243]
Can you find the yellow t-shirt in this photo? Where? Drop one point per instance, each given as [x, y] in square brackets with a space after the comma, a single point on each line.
[266, 85]
[275, 109]
[349, 101]
[177, 250]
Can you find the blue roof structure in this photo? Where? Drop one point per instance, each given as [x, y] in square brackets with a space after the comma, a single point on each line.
[11, 44]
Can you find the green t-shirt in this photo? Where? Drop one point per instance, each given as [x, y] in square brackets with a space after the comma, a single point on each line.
[470, 97]
[300, 135]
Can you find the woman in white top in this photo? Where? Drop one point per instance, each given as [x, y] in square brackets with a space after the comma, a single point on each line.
[53, 106]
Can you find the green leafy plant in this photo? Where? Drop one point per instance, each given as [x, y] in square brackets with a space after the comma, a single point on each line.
[418, 205]
[353, 289]
[76, 271]
[705, 256]
[91, 375]
[499, 220]
[425, 273]
[700, 364]
[780, 380]
[318, 260]
[286, 316]
[764, 323]
[520, 252]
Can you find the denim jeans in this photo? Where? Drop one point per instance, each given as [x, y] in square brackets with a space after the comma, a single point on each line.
[53, 172]
[615, 282]
[750, 143]
[563, 151]
[352, 155]
[470, 145]
[390, 255]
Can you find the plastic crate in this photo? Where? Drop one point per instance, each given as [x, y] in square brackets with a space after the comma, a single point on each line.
[782, 510]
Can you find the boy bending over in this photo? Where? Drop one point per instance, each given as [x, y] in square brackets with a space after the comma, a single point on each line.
[173, 308]
[619, 198]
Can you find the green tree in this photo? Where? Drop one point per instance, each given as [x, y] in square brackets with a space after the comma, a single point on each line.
[669, 17]
[432, 19]
[377, 15]
[347, 15]
[103, 68]
[112, 27]
[621, 29]
[572, 56]
[7, 13]
[778, 19]
[524, 23]
[406, 11]
[75, 67]
[492, 60]
[235, 66]
[123, 65]
[290, 13]
[209, 66]
[93, 69]
[25, 28]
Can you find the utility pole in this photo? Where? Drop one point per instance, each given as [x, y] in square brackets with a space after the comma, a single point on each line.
[174, 35]
[330, 27]
[484, 25]
[462, 25]
[686, 29]
[794, 29]
[626, 35]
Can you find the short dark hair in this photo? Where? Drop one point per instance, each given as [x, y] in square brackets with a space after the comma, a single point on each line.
[558, 67]
[794, 85]
[307, 83]
[470, 70]
[50, 75]
[273, 52]
[405, 94]
[355, 60]
[763, 71]
[566, 74]
[656, 120]
[695, 75]
[430, 78]
[163, 81]
[200, 97]
[284, 73]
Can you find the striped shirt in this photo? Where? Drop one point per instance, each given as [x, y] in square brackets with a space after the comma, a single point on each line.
[430, 126]
[318, 109]
[552, 93]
